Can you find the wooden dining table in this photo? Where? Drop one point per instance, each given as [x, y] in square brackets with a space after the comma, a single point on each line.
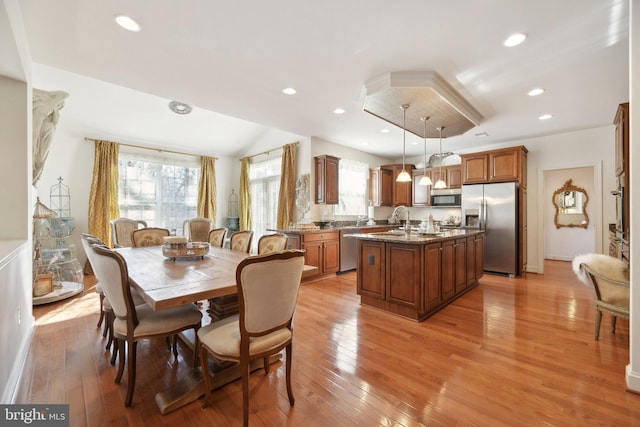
[164, 282]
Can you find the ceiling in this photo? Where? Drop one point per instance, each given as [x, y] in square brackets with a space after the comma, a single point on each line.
[231, 60]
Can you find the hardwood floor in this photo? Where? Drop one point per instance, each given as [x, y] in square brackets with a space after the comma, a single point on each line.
[509, 352]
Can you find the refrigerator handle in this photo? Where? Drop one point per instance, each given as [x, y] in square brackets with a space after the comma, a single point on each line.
[483, 215]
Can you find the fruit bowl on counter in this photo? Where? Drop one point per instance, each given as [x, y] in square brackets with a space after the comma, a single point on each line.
[178, 247]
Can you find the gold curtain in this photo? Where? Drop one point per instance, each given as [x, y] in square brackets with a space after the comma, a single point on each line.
[207, 188]
[245, 195]
[103, 198]
[286, 197]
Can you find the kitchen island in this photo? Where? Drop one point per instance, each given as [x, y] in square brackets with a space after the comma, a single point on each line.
[416, 274]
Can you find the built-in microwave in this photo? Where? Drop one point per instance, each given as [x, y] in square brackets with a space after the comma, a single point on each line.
[451, 197]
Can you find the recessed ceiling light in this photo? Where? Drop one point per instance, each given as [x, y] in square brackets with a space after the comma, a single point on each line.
[385, 131]
[535, 92]
[545, 117]
[289, 91]
[365, 143]
[414, 143]
[339, 111]
[515, 39]
[128, 23]
[180, 107]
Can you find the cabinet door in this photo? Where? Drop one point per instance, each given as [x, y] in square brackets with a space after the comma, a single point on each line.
[313, 254]
[504, 165]
[404, 279]
[421, 193]
[330, 256]
[471, 261]
[293, 241]
[321, 193]
[432, 297]
[479, 254]
[460, 249]
[474, 168]
[454, 176]
[371, 269]
[436, 174]
[447, 269]
[401, 190]
[380, 186]
[326, 175]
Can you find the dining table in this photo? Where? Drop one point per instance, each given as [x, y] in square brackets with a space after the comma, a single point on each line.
[165, 282]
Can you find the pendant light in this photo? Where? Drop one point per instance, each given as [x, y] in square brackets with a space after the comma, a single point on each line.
[440, 184]
[404, 175]
[425, 180]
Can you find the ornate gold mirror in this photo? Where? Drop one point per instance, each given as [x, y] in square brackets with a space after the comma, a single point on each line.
[571, 206]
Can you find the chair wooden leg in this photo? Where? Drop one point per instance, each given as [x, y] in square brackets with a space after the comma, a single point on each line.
[174, 345]
[108, 329]
[121, 352]
[101, 310]
[613, 324]
[266, 365]
[196, 349]
[114, 351]
[598, 320]
[292, 399]
[131, 371]
[244, 367]
[204, 361]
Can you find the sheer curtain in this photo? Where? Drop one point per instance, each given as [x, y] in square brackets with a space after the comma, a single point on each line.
[207, 188]
[103, 198]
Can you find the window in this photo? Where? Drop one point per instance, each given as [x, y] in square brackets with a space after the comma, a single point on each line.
[352, 180]
[161, 190]
[265, 186]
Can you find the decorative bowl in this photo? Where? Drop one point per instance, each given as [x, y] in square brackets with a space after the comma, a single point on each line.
[189, 250]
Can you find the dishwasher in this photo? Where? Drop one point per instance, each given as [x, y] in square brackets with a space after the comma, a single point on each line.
[348, 250]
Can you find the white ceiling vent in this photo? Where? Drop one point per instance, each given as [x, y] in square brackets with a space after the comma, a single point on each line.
[427, 94]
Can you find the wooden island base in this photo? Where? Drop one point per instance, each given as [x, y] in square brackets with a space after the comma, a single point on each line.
[415, 276]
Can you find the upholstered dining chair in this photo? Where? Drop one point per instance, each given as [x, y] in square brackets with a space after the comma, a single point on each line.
[197, 229]
[272, 243]
[609, 277]
[121, 229]
[106, 311]
[149, 237]
[241, 241]
[216, 237]
[267, 294]
[134, 323]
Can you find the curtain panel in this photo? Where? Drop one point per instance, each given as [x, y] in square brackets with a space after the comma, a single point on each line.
[286, 197]
[207, 188]
[103, 198]
[245, 195]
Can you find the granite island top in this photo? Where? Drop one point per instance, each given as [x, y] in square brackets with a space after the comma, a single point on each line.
[415, 237]
[337, 228]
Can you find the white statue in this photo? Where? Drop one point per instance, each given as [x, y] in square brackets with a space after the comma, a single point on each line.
[46, 113]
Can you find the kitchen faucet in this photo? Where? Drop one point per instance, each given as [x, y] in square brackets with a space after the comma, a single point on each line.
[406, 211]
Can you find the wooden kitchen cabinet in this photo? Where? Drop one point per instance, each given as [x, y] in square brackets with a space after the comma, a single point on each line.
[401, 193]
[402, 273]
[322, 250]
[460, 259]
[475, 168]
[447, 269]
[326, 176]
[421, 193]
[454, 176]
[372, 269]
[381, 186]
[432, 291]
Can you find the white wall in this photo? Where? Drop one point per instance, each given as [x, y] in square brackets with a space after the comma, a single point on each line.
[565, 243]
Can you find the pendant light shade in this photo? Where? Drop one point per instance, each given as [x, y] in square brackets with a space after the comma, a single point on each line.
[440, 184]
[425, 180]
[404, 175]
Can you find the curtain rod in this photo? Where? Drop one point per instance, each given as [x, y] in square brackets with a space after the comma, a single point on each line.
[268, 152]
[160, 150]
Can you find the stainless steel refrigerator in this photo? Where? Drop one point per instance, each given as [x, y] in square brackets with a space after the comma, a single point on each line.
[494, 209]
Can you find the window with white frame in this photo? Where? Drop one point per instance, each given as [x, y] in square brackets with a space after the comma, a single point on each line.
[264, 177]
[160, 189]
[352, 183]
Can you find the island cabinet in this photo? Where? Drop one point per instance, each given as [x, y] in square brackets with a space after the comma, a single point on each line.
[322, 249]
[416, 280]
[326, 176]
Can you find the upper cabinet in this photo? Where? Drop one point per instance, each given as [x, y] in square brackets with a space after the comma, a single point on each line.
[326, 174]
[384, 190]
[622, 138]
[507, 164]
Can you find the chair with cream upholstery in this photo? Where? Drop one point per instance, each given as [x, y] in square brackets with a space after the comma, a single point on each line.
[134, 323]
[610, 279]
[272, 243]
[197, 229]
[216, 237]
[149, 237]
[241, 241]
[267, 293]
[121, 230]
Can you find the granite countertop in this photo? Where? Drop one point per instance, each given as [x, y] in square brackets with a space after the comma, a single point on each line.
[415, 237]
[337, 228]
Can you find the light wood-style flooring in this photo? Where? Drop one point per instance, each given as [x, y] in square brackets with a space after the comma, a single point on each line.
[511, 352]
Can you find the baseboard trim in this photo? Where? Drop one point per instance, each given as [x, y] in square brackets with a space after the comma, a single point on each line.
[10, 392]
